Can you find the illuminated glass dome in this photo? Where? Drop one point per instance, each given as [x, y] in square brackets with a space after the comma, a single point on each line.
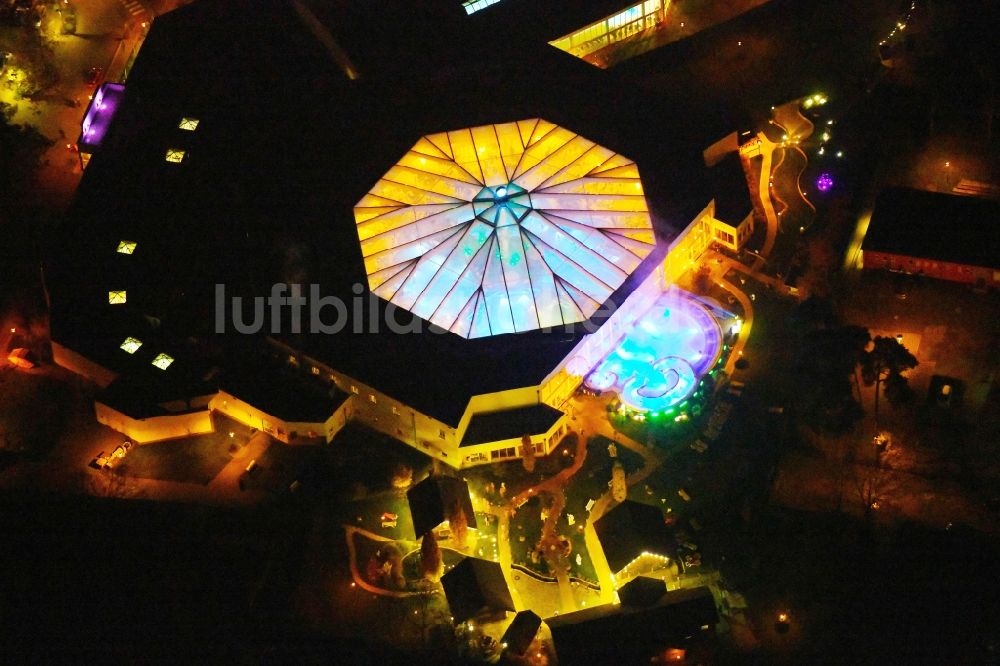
[504, 228]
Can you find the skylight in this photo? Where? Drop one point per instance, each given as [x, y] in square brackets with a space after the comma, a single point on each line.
[175, 155]
[126, 247]
[189, 124]
[473, 6]
[163, 361]
[504, 228]
[116, 297]
[131, 345]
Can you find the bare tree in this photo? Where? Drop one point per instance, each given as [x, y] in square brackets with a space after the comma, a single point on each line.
[431, 563]
[527, 453]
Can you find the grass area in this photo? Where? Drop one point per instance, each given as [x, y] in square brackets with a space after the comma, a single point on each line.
[36, 410]
[525, 531]
[191, 460]
[365, 458]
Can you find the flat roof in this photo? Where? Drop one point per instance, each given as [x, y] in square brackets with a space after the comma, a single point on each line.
[932, 225]
[510, 424]
[730, 190]
[283, 393]
[629, 635]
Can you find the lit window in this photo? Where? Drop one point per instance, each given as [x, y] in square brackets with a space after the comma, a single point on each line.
[175, 155]
[395, 410]
[189, 124]
[473, 6]
[116, 297]
[372, 399]
[293, 360]
[314, 370]
[131, 345]
[162, 361]
[126, 247]
[354, 390]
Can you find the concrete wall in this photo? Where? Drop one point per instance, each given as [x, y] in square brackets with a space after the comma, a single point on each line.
[156, 428]
[69, 359]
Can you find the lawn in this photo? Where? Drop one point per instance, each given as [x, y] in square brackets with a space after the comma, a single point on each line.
[195, 459]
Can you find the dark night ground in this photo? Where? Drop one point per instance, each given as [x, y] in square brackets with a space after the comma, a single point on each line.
[134, 579]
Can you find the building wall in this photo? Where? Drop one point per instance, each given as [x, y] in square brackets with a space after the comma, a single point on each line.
[156, 428]
[395, 419]
[510, 449]
[382, 412]
[942, 270]
[289, 432]
[69, 359]
[633, 19]
[729, 236]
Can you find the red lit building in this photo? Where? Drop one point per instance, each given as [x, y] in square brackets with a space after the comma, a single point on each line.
[943, 236]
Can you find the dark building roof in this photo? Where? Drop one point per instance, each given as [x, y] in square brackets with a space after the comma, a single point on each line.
[282, 393]
[510, 424]
[287, 143]
[521, 632]
[931, 225]
[432, 500]
[476, 586]
[623, 635]
[630, 529]
[642, 591]
[729, 189]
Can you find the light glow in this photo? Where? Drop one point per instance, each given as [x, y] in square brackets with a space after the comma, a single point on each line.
[473, 6]
[660, 360]
[163, 361]
[504, 228]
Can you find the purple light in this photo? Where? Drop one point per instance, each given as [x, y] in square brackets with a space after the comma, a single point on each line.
[824, 182]
[99, 114]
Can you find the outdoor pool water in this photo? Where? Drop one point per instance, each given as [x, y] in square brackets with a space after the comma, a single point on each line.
[659, 362]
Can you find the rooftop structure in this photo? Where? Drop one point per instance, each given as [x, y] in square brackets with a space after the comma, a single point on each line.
[510, 424]
[435, 498]
[475, 587]
[504, 228]
[612, 634]
[521, 632]
[631, 530]
[917, 224]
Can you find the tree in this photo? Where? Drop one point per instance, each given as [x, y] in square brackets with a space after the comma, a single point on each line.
[458, 522]
[527, 453]
[885, 364]
[402, 476]
[431, 563]
[22, 147]
[826, 369]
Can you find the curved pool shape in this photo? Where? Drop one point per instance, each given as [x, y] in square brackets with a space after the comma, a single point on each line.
[659, 362]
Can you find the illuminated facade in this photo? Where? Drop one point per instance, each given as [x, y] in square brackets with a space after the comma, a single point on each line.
[504, 228]
[616, 28]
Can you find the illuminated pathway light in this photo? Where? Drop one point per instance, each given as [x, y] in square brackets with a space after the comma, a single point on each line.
[659, 362]
[504, 228]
